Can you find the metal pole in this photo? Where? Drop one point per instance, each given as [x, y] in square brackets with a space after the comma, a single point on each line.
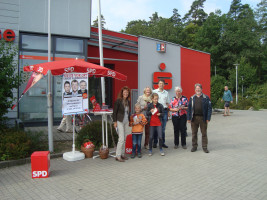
[73, 139]
[236, 95]
[49, 87]
[101, 51]
[242, 86]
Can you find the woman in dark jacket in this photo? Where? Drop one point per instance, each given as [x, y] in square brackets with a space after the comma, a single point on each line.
[121, 115]
[154, 113]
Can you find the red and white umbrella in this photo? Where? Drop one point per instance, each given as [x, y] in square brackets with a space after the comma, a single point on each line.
[72, 66]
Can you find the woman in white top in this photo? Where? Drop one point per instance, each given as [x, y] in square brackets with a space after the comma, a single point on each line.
[144, 100]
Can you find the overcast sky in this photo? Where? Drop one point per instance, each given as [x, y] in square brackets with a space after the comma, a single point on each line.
[118, 13]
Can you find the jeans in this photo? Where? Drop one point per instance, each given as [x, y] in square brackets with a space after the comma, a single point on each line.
[163, 125]
[155, 130]
[179, 126]
[137, 139]
[121, 140]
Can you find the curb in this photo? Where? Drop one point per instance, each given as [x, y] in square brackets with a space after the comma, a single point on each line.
[11, 163]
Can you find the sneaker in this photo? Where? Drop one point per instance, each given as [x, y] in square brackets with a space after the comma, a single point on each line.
[184, 147]
[193, 149]
[164, 146]
[161, 152]
[133, 156]
[146, 147]
[154, 145]
[139, 155]
[150, 153]
[69, 131]
[206, 150]
[176, 147]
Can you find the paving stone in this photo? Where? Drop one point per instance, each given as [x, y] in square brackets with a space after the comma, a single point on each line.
[235, 169]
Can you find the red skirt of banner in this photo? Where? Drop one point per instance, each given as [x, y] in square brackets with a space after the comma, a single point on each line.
[72, 66]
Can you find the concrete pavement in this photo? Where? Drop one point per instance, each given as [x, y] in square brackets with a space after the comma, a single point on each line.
[235, 169]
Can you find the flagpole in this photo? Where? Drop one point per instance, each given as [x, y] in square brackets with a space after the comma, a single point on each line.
[101, 51]
[49, 87]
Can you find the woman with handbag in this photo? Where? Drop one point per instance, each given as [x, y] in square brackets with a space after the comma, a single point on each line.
[121, 116]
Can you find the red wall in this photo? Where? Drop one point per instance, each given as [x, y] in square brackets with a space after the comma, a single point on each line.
[195, 68]
[130, 69]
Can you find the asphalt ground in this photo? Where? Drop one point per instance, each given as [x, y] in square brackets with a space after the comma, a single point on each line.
[235, 169]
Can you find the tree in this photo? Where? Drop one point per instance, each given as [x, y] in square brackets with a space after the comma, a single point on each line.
[176, 18]
[196, 14]
[217, 86]
[235, 8]
[247, 71]
[95, 22]
[208, 39]
[9, 79]
[137, 27]
[240, 39]
[188, 35]
[261, 16]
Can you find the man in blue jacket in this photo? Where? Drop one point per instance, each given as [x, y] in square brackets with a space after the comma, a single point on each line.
[199, 114]
[227, 98]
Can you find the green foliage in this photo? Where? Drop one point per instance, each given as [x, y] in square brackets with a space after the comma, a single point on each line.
[237, 37]
[16, 144]
[196, 14]
[103, 22]
[217, 88]
[246, 71]
[9, 79]
[93, 132]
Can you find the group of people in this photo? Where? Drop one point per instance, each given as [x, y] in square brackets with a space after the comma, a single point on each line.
[151, 114]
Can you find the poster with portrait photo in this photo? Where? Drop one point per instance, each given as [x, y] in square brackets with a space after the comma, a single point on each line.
[74, 93]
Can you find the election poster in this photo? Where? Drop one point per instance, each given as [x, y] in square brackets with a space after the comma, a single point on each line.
[75, 93]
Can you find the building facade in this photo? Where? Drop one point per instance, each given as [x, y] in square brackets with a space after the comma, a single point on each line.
[143, 60]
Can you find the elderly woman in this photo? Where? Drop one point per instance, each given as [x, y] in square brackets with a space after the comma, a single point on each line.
[143, 100]
[178, 108]
[121, 115]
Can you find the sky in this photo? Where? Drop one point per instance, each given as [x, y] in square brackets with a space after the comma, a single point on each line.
[118, 13]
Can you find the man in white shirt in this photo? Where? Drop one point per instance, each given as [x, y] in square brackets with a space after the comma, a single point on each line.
[164, 99]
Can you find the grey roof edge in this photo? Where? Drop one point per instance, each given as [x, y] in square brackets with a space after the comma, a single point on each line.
[172, 44]
[117, 32]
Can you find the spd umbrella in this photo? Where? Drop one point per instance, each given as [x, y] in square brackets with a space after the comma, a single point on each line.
[72, 66]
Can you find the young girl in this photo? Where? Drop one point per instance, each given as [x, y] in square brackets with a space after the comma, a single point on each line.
[137, 122]
[154, 113]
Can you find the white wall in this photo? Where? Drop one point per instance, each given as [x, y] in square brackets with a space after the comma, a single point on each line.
[68, 17]
[149, 60]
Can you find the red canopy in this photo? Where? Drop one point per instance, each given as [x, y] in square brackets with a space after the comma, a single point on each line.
[71, 66]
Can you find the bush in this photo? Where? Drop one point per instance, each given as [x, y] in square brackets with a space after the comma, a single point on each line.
[16, 144]
[93, 132]
[9, 77]
[217, 88]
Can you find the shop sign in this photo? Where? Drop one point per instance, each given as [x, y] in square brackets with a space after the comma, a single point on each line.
[8, 35]
[161, 47]
[166, 76]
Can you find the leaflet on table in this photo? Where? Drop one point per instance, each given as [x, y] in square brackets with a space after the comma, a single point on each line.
[75, 93]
